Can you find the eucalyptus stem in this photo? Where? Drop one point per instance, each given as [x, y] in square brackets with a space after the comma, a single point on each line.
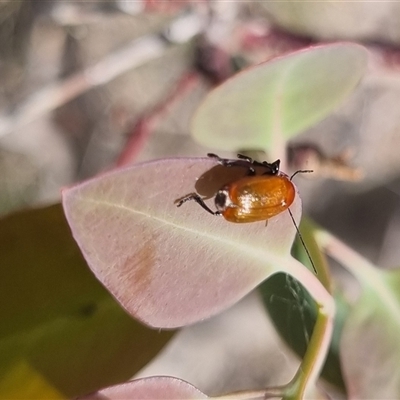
[309, 370]
[270, 393]
[362, 269]
[317, 350]
[359, 266]
[311, 364]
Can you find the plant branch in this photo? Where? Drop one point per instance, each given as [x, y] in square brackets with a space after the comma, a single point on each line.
[363, 270]
[264, 394]
[358, 265]
[317, 350]
[314, 358]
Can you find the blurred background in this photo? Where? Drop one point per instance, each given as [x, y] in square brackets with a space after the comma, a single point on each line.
[86, 86]
[89, 86]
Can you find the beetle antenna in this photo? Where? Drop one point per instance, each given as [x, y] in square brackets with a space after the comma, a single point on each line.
[301, 171]
[302, 241]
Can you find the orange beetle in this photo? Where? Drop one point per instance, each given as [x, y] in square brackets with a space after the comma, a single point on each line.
[251, 198]
[254, 197]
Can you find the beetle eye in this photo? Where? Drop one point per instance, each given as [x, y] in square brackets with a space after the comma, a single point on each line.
[220, 200]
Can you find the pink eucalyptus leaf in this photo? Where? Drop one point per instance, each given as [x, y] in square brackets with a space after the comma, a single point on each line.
[172, 266]
[153, 388]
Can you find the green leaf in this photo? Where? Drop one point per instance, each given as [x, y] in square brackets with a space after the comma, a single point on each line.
[370, 348]
[172, 266]
[369, 345]
[61, 333]
[294, 312]
[280, 98]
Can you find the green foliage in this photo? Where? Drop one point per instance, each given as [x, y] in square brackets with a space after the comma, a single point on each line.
[61, 333]
[279, 99]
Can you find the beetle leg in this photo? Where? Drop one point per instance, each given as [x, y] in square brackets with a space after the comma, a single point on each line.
[251, 171]
[227, 162]
[199, 201]
[254, 162]
[244, 162]
[246, 158]
[248, 162]
[273, 168]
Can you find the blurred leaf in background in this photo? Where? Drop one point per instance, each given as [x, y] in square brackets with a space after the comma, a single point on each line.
[280, 98]
[61, 332]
